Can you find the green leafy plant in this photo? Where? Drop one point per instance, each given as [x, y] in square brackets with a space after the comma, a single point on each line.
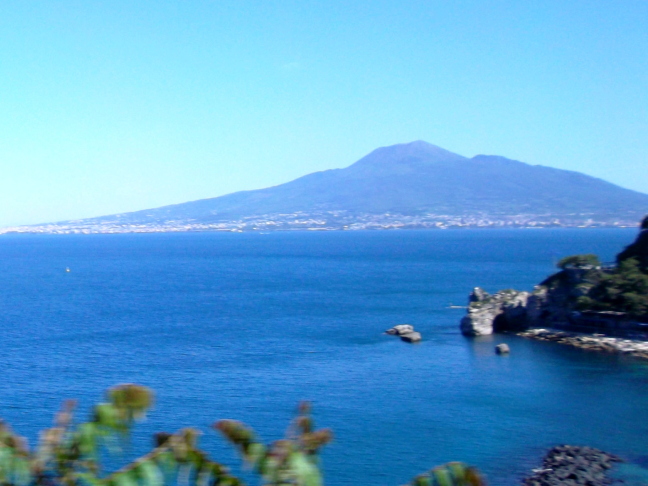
[579, 261]
[625, 289]
[451, 474]
[68, 454]
[289, 461]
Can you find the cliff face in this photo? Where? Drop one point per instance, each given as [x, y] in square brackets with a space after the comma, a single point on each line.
[638, 249]
[552, 303]
[585, 298]
[507, 309]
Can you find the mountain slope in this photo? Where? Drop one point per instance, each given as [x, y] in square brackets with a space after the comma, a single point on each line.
[414, 179]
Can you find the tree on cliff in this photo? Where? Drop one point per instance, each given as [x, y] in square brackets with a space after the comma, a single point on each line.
[622, 289]
[625, 289]
[579, 261]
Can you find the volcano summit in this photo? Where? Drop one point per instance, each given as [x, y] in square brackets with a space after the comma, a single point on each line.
[412, 185]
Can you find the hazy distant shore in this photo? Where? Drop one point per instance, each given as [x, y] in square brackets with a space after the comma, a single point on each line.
[312, 224]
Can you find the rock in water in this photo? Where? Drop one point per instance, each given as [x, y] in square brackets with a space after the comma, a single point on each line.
[400, 329]
[411, 337]
[478, 323]
[502, 349]
[406, 332]
[564, 465]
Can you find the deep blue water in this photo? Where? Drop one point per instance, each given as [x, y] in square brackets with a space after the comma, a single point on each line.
[245, 325]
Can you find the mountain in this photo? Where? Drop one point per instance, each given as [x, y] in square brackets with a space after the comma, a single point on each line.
[415, 184]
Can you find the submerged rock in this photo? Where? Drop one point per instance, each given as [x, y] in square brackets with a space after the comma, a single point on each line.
[502, 349]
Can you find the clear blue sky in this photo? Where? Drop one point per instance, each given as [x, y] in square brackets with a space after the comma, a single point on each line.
[114, 106]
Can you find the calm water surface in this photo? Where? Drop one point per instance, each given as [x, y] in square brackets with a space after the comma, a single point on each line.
[245, 325]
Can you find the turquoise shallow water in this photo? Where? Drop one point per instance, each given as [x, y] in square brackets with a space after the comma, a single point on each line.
[245, 325]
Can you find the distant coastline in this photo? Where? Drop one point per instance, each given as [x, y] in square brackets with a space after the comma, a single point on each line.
[413, 185]
[327, 221]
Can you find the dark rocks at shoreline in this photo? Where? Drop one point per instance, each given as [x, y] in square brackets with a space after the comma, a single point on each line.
[596, 342]
[573, 465]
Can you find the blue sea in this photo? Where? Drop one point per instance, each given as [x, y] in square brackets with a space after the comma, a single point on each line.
[244, 326]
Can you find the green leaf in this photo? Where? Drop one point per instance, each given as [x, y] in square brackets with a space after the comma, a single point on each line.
[306, 473]
[21, 471]
[166, 461]
[458, 471]
[90, 479]
[442, 476]
[87, 436]
[5, 462]
[150, 474]
[229, 481]
[107, 415]
[268, 468]
[422, 480]
[124, 479]
[255, 452]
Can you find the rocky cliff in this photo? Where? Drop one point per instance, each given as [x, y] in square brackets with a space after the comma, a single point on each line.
[550, 304]
[578, 298]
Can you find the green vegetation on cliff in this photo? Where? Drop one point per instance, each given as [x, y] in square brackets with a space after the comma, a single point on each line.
[623, 288]
[579, 261]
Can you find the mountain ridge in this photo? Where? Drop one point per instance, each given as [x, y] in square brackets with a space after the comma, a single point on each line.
[415, 181]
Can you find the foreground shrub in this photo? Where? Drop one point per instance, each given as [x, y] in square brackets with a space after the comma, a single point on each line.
[68, 454]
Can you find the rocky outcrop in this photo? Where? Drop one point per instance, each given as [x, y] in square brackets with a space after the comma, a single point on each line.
[572, 465]
[400, 329]
[504, 310]
[551, 304]
[406, 332]
[632, 347]
[502, 349]
[584, 296]
[478, 295]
